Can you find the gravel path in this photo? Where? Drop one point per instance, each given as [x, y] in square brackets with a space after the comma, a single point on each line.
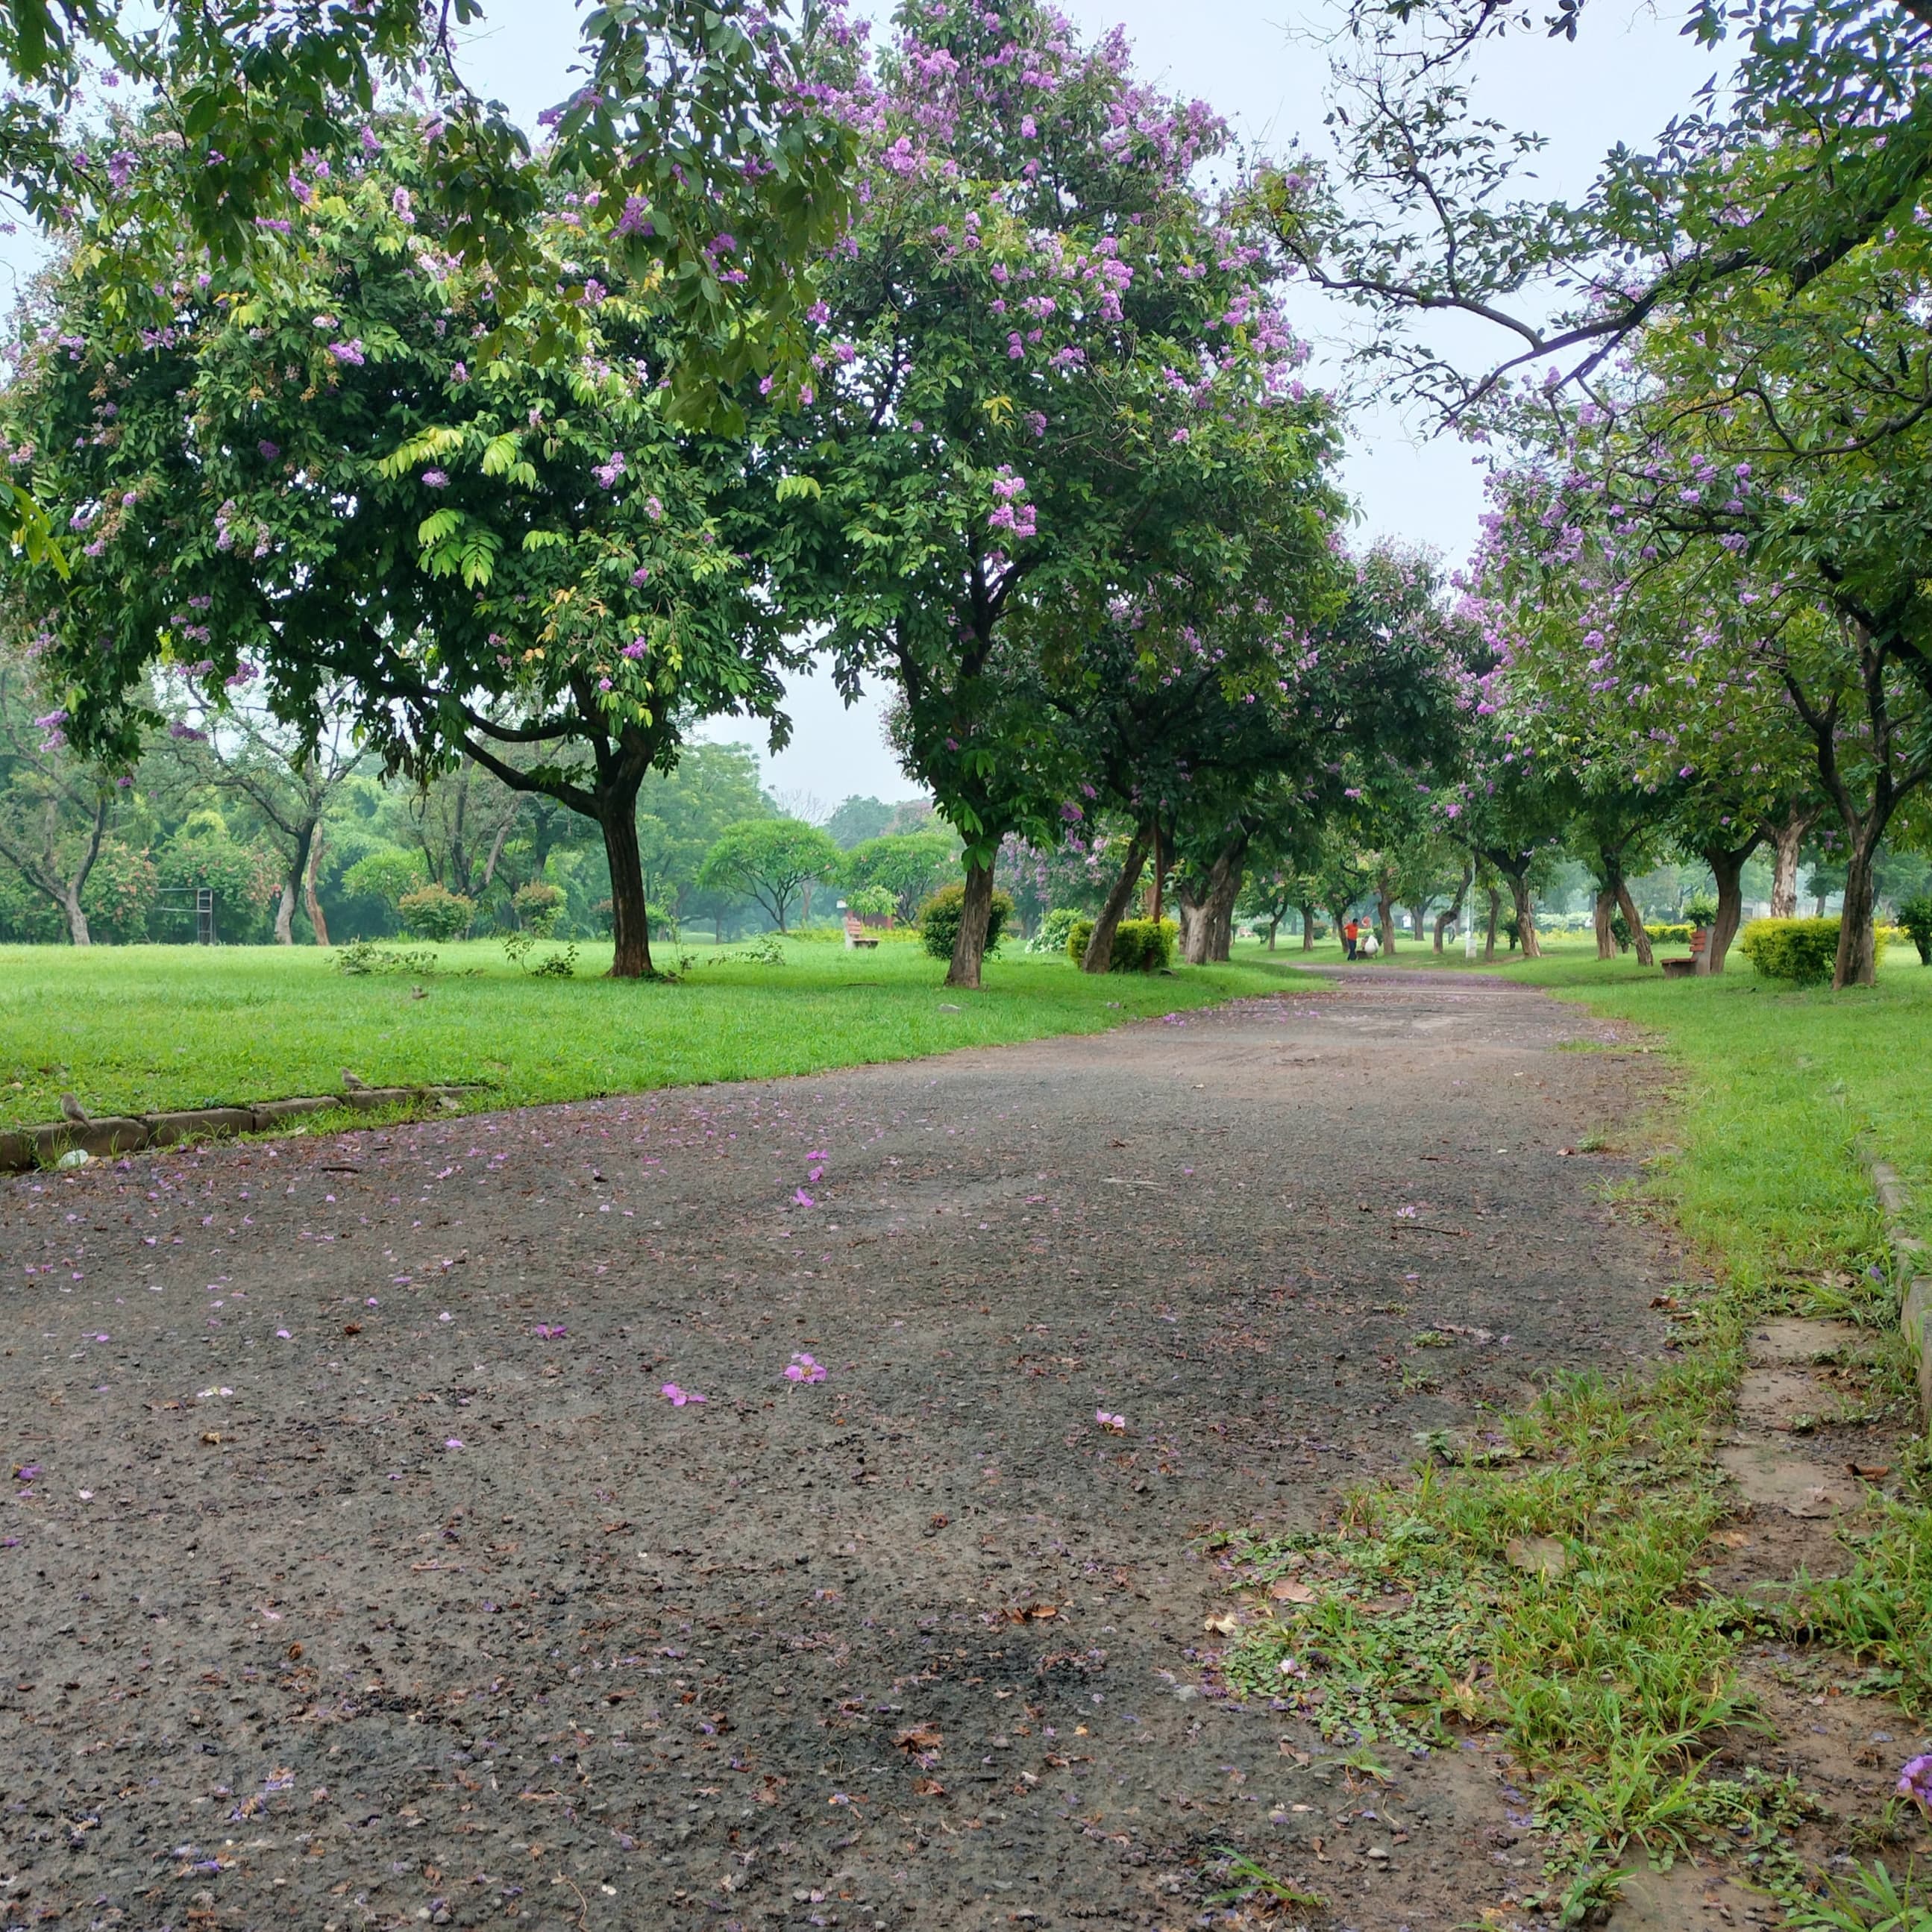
[360, 1574]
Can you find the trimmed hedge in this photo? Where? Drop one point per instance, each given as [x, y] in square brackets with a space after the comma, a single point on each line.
[1804, 951]
[1140, 945]
[939, 920]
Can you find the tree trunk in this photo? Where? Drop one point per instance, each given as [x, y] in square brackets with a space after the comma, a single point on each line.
[1858, 960]
[1418, 920]
[1222, 892]
[313, 899]
[1607, 905]
[285, 909]
[1730, 910]
[1274, 926]
[1099, 957]
[1526, 917]
[1193, 913]
[969, 950]
[1727, 867]
[1207, 918]
[1639, 937]
[1786, 837]
[76, 919]
[1495, 919]
[1155, 907]
[1385, 918]
[1308, 928]
[1443, 920]
[630, 923]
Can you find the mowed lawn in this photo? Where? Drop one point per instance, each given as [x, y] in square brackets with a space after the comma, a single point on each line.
[1780, 1087]
[141, 1029]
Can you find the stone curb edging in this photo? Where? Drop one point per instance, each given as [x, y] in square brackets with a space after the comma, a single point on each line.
[1909, 1255]
[24, 1149]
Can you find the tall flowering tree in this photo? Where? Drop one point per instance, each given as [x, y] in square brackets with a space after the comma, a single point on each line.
[334, 483]
[1652, 679]
[689, 130]
[1766, 465]
[1051, 377]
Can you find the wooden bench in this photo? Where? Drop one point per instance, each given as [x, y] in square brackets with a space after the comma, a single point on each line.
[856, 934]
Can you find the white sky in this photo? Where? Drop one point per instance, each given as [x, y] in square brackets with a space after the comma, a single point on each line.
[1254, 62]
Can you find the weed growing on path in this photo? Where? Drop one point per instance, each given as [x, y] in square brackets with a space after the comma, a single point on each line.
[1552, 1598]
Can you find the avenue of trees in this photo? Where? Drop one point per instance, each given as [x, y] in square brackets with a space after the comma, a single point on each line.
[391, 506]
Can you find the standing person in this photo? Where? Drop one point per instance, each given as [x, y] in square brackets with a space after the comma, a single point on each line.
[1350, 932]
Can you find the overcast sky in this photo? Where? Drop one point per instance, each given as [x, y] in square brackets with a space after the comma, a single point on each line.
[1257, 63]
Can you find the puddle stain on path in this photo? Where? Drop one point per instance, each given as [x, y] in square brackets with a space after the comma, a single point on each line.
[363, 1570]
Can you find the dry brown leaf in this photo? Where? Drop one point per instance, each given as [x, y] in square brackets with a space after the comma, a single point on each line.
[1226, 1625]
[1286, 1590]
[1869, 1472]
[928, 1787]
[918, 1738]
[1543, 1555]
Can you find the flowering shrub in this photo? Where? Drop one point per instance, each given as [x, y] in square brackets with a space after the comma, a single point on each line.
[939, 920]
[435, 912]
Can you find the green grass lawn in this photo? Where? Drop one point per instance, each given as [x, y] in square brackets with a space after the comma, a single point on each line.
[140, 1029]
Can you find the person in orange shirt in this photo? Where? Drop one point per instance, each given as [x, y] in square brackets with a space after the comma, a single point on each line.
[1350, 933]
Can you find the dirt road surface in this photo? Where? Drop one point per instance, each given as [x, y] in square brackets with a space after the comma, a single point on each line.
[359, 1572]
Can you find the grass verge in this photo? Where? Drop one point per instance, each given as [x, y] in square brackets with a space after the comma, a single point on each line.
[141, 1029]
[1544, 1582]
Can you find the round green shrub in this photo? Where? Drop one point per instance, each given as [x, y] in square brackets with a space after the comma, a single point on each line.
[386, 873]
[1145, 945]
[939, 920]
[1140, 945]
[435, 912]
[539, 905]
[1804, 951]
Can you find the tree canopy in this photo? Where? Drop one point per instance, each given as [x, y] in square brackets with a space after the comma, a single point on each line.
[329, 481]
